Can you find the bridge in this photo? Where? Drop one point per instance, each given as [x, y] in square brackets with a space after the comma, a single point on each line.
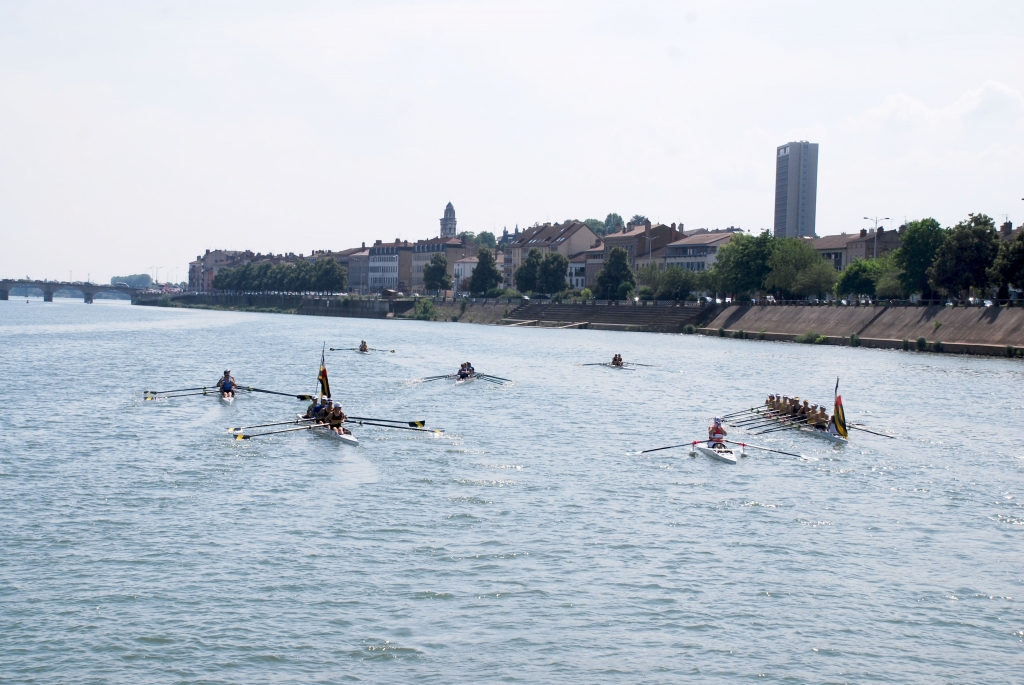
[88, 290]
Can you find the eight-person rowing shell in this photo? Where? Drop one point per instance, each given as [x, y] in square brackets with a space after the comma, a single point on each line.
[811, 415]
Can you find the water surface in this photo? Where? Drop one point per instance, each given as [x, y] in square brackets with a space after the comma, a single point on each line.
[530, 543]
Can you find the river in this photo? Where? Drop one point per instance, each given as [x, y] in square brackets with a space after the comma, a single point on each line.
[531, 542]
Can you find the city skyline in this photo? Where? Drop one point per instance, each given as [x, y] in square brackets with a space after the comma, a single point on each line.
[135, 136]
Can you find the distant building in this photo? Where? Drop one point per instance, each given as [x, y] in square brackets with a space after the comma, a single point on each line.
[796, 189]
[698, 251]
[568, 238]
[390, 266]
[202, 271]
[1007, 232]
[840, 250]
[463, 272]
[423, 251]
[448, 222]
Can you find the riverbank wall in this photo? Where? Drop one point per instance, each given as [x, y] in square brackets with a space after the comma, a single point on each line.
[995, 331]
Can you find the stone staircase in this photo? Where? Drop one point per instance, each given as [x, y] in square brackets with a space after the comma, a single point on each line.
[642, 316]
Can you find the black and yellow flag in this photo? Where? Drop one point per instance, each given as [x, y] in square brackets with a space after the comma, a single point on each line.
[838, 415]
[325, 386]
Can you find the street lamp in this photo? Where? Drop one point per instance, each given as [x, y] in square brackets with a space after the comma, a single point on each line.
[876, 220]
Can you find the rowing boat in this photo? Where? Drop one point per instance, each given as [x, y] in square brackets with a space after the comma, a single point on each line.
[227, 400]
[346, 438]
[467, 379]
[722, 454]
[785, 421]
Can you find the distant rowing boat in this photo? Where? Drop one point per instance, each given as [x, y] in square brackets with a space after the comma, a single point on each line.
[346, 438]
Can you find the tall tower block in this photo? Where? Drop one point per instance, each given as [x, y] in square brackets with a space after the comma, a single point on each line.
[796, 189]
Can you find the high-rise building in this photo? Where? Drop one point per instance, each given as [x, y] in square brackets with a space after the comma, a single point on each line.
[448, 222]
[796, 189]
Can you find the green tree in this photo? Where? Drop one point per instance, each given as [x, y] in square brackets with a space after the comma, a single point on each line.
[133, 281]
[485, 275]
[919, 243]
[468, 237]
[614, 273]
[649, 275]
[597, 226]
[528, 272]
[888, 276]
[1008, 269]
[638, 219]
[435, 273]
[613, 223]
[553, 270]
[963, 260]
[329, 276]
[856, 279]
[818, 278]
[486, 239]
[789, 258]
[741, 266]
[676, 283]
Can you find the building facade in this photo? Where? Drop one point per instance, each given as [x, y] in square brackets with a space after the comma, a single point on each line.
[699, 251]
[448, 222]
[796, 189]
[569, 238]
[641, 241]
[840, 250]
[390, 266]
[423, 251]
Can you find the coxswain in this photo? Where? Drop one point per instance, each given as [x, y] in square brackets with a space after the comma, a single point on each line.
[337, 417]
[716, 435]
[227, 384]
[363, 346]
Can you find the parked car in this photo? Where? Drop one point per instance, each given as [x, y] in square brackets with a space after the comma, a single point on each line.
[987, 303]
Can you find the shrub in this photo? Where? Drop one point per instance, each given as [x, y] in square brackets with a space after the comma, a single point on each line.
[646, 292]
[854, 340]
[739, 334]
[810, 338]
[721, 331]
[425, 310]
[935, 326]
[937, 346]
[455, 318]
[1009, 351]
[586, 294]
[462, 308]
[689, 329]
[922, 344]
[760, 334]
[906, 345]
[625, 290]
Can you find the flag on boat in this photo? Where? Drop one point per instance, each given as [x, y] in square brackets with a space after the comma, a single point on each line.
[325, 386]
[838, 415]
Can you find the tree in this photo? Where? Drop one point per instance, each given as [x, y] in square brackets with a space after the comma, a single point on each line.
[1008, 269]
[486, 239]
[528, 272]
[816, 279]
[435, 273]
[638, 219]
[888, 276]
[553, 270]
[133, 281]
[789, 258]
[918, 245]
[856, 279]
[676, 283]
[963, 260]
[614, 273]
[485, 274]
[741, 266]
[597, 226]
[613, 223]
[329, 276]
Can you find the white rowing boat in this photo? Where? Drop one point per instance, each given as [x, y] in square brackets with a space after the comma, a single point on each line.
[723, 454]
[346, 438]
[788, 423]
[227, 400]
[463, 381]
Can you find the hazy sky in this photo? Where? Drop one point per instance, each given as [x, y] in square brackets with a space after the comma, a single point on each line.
[136, 135]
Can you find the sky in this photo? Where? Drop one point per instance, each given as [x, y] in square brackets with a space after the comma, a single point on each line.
[134, 136]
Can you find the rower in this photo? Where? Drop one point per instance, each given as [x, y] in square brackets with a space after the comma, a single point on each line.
[337, 417]
[325, 411]
[226, 384]
[821, 419]
[463, 371]
[363, 347]
[804, 411]
[313, 409]
[769, 401]
[716, 435]
[469, 367]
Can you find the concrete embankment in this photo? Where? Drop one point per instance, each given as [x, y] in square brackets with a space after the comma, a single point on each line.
[284, 304]
[969, 330]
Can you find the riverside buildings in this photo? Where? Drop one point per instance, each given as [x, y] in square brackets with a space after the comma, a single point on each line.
[796, 189]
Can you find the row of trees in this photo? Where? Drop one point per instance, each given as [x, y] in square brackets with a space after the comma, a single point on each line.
[325, 275]
[485, 277]
[542, 274]
[612, 223]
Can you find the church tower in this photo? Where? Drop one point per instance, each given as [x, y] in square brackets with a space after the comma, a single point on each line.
[448, 222]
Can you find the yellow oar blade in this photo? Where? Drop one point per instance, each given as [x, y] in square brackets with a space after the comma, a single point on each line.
[240, 436]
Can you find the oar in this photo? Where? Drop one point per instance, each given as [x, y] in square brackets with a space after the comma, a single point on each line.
[264, 425]
[243, 436]
[403, 428]
[165, 392]
[594, 364]
[491, 380]
[171, 397]
[414, 424]
[484, 375]
[766, 449]
[438, 378]
[789, 424]
[658, 449]
[284, 394]
[737, 413]
[883, 435]
[635, 364]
